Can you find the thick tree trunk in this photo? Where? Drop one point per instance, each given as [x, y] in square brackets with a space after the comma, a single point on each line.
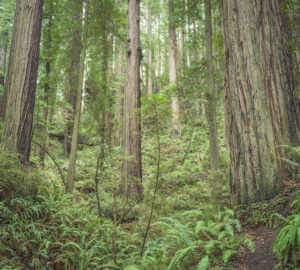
[21, 78]
[260, 106]
[173, 70]
[131, 143]
[74, 143]
[211, 94]
[149, 56]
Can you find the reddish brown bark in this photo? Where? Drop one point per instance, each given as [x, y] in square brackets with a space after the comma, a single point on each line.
[21, 78]
[260, 105]
[131, 139]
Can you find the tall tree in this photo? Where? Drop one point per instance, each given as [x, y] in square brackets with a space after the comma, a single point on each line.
[149, 55]
[260, 105]
[173, 69]
[6, 25]
[131, 140]
[73, 53]
[48, 51]
[76, 125]
[21, 78]
[3, 58]
[211, 94]
[119, 101]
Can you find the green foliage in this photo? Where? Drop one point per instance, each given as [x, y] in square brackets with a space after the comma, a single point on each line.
[57, 231]
[209, 234]
[287, 243]
[15, 181]
[264, 213]
[294, 160]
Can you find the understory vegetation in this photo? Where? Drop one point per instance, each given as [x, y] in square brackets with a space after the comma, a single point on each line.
[149, 135]
[47, 229]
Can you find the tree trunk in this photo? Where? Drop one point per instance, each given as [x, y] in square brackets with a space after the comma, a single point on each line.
[149, 56]
[176, 130]
[260, 106]
[195, 49]
[3, 59]
[131, 144]
[73, 69]
[21, 78]
[182, 39]
[47, 88]
[211, 94]
[120, 93]
[3, 69]
[159, 60]
[74, 143]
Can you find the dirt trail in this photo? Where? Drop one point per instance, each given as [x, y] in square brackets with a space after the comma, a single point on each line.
[263, 258]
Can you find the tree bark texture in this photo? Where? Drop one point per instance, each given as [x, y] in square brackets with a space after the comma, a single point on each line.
[260, 106]
[211, 94]
[74, 142]
[132, 165]
[173, 70]
[21, 78]
[149, 56]
[120, 93]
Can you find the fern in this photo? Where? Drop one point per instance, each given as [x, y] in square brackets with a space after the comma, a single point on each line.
[179, 255]
[288, 241]
[204, 263]
[205, 235]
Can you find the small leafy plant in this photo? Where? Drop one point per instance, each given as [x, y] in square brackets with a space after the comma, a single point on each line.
[287, 242]
[209, 238]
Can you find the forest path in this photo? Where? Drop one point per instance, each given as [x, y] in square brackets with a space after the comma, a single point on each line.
[263, 258]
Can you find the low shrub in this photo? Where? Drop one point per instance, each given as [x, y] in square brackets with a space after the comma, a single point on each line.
[14, 180]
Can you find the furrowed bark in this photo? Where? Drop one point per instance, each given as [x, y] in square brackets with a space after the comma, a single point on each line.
[131, 185]
[21, 78]
[176, 129]
[260, 105]
[211, 94]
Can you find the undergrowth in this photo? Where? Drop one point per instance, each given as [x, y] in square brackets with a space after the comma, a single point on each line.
[54, 231]
[264, 213]
[196, 239]
[58, 233]
[287, 243]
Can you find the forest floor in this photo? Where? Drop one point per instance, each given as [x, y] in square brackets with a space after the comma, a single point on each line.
[263, 258]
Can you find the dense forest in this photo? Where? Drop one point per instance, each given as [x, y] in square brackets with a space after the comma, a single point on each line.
[151, 135]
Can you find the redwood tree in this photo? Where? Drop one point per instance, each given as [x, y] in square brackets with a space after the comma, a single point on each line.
[131, 140]
[176, 129]
[260, 105]
[211, 94]
[79, 86]
[20, 84]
